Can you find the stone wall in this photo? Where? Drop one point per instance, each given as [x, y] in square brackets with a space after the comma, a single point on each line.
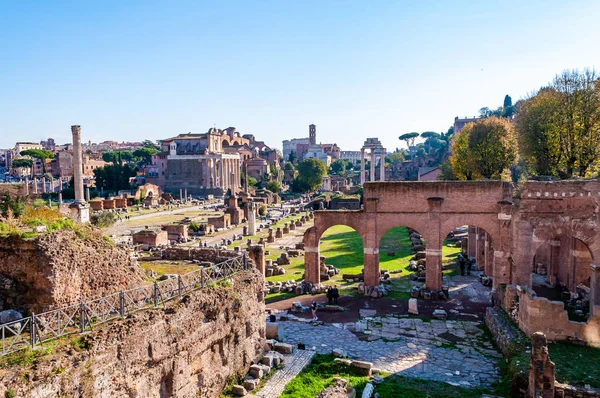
[61, 268]
[189, 349]
[204, 254]
[538, 314]
[509, 338]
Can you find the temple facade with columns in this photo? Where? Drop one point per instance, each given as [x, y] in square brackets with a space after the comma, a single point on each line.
[198, 163]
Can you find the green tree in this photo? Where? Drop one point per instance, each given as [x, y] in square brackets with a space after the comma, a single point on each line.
[274, 186]
[252, 181]
[484, 149]
[559, 127]
[117, 156]
[310, 174]
[292, 158]
[41, 154]
[288, 166]
[22, 162]
[150, 144]
[410, 140]
[114, 177]
[339, 166]
[395, 158]
[145, 154]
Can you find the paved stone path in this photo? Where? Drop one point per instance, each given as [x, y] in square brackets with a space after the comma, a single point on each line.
[293, 365]
[451, 351]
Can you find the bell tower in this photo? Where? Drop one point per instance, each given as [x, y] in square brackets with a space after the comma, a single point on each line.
[312, 134]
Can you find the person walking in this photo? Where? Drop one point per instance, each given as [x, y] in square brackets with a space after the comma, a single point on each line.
[335, 294]
[329, 295]
[313, 307]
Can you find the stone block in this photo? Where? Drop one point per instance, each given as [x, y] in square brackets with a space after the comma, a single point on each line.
[250, 384]
[272, 330]
[339, 353]
[412, 306]
[239, 391]
[269, 344]
[256, 371]
[362, 368]
[283, 348]
[267, 360]
[440, 314]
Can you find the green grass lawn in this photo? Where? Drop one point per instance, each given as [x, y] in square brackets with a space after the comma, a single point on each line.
[576, 364]
[320, 373]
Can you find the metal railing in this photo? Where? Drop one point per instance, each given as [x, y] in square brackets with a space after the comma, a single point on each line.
[39, 328]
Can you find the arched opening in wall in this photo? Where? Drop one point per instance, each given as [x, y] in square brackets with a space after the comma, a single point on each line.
[561, 271]
[342, 257]
[402, 261]
[467, 267]
[225, 143]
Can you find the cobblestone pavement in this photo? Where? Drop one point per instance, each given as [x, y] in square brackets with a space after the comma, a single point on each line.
[468, 287]
[293, 365]
[451, 351]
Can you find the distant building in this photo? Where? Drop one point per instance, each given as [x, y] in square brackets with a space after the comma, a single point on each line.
[198, 163]
[353, 156]
[306, 148]
[459, 124]
[49, 145]
[290, 146]
[429, 173]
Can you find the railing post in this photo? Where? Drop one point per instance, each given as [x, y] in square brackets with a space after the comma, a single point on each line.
[122, 304]
[202, 281]
[245, 261]
[81, 317]
[179, 285]
[32, 330]
[155, 294]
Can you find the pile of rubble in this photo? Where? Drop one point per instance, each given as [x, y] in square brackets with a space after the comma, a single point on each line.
[417, 263]
[424, 293]
[273, 358]
[326, 270]
[291, 286]
[373, 291]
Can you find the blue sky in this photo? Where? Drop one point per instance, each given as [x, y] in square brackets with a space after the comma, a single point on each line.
[130, 70]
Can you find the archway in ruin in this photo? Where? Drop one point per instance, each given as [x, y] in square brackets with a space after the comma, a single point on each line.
[468, 264]
[341, 247]
[561, 271]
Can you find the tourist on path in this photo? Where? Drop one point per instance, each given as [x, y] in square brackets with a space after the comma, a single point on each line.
[329, 295]
[313, 307]
[335, 294]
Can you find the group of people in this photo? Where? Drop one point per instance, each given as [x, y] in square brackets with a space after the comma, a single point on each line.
[332, 296]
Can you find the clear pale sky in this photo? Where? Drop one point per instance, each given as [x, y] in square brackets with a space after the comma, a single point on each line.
[130, 70]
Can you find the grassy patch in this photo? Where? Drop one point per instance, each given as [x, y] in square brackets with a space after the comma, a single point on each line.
[321, 372]
[167, 267]
[576, 364]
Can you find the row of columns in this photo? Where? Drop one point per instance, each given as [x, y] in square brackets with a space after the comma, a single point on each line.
[363, 177]
[222, 173]
[46, 187]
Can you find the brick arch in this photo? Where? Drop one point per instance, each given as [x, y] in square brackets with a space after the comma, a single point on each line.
[488, 222]
[546, 233]
[414, 221]
[326, 220]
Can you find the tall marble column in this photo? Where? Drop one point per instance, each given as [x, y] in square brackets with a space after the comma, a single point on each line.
[382, 165]
[362, 166]
[372, 171]
[80, 209]
[26, 186]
